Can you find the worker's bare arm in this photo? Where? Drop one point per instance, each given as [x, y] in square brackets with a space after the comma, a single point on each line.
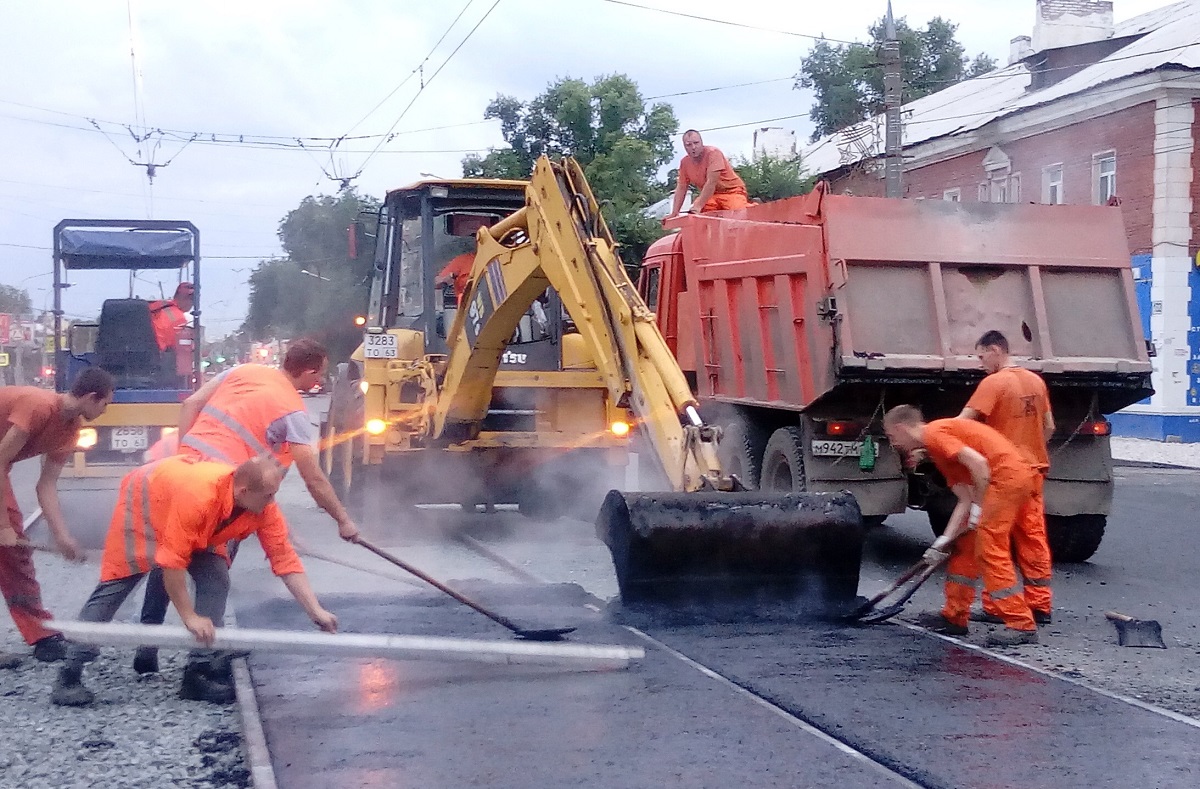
[47, 496]
[1048, 426]
[12, 443]
[305, 458]
[977, 465]
[970, 413]
[301, 589]
[189, 412]
[707, 191]
[677, 199]
[175, 581]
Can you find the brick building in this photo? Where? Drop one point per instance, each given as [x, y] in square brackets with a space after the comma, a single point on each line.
[1085, 110]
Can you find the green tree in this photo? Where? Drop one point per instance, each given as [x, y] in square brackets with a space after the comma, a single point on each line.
[774, 178]
[621, 142]
[317, 289]
[15, 301]
[848, 78]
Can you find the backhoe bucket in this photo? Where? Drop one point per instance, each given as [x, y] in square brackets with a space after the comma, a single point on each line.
[803, 549]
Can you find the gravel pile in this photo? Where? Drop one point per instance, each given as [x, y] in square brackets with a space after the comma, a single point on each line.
[1145, 451]
[137, 734]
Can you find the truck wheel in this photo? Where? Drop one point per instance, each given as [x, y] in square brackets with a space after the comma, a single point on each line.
[741, 452]
[783, 461]
[939, 508]
[1074, 538]
[534, 501]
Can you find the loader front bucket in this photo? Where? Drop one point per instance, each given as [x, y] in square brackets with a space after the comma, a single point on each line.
[802, 549]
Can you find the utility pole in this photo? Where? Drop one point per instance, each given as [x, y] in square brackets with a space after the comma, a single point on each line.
[893, 88]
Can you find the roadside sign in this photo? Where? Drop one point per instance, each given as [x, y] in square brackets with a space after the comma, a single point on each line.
[3, 360]
[48, 345]
[5, 323]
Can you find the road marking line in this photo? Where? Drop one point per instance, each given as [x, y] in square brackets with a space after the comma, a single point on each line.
[799, 723]
[1112, 694]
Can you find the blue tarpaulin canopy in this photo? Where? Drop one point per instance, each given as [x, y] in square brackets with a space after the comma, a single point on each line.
[126, 249]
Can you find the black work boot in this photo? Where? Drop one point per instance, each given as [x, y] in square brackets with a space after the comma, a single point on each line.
[935, 622]
[1042, 617]
[68, 689]
[146, 660]
[197, 686]
[50, 649]
[9, 660]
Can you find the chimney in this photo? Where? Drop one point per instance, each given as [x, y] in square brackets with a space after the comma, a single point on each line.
[1065, 23]
[1019, 48]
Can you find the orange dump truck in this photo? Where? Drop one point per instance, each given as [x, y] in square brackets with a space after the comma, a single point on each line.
[799, 322]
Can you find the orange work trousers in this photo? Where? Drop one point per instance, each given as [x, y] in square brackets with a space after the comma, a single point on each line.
[726, 201]
[18, 582]
[988, 552]
[1032, 551]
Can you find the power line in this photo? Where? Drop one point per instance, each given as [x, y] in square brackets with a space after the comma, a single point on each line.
[719, 87]
[755, 123]
[726, 22]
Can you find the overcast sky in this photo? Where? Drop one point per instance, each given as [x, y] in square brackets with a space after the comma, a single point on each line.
[305, 68]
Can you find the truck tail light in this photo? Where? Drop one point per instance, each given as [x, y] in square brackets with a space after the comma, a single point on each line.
[87, 439]
[1101, 427]
[842, 428]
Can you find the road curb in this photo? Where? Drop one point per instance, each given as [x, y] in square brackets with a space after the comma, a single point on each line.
[258, 755]
[1118, 463]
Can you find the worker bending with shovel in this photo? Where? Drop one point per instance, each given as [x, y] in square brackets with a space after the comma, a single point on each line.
[179, 514]
[249, 411]
[1015, 402]
[994, 484]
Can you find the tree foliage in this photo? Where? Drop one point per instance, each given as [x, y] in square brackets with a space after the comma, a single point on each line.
[620, 141]
[774, 178]
[848, 78]
[287, 302]
[15, 301]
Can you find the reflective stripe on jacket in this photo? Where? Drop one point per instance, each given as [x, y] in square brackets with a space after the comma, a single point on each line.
[173, 508]
[232, 428]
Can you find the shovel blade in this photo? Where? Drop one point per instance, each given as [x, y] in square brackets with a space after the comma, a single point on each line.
[876, 615]
[545, 634]
[1140, 633]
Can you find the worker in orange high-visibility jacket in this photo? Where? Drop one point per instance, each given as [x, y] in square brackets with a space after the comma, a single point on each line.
[169, 316]
[179, 514]
[248, 411]
[994, 483]
[1015, 402]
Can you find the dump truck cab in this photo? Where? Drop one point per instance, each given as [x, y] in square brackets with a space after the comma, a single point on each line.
[150, 382]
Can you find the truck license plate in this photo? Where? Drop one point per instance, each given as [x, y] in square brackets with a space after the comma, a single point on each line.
[837, 449]
[379, 346]
[129, 439]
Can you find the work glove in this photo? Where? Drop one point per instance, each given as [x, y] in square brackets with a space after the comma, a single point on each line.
[937, 553]
[974, 516]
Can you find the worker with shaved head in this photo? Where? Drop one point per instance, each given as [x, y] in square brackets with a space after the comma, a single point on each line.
[994, 483]
[179, 514]
[1015, 402]
[707, 170]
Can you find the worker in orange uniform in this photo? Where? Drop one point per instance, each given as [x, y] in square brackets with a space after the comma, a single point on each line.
[171, 315]
[707, 169]
[248, 411]
[179, 514]
[36, 422]
[457, 273]
[1015, 402]
[994, 483]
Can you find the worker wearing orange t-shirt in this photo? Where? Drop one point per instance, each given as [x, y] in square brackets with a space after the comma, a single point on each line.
[706, 168]
[458, 273]
[1016, 403]
[36, 422]
[179, 514]
[994, 483]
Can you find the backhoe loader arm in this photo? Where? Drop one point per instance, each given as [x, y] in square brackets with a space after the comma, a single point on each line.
[559, 239]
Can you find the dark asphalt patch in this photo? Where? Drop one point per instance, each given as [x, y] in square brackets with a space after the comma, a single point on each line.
[357, 722]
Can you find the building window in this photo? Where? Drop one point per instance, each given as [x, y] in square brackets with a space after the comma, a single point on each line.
[1104, 169]
[983, 192]
[1014, 188]
[1052, 185]
[999, 191]
[952, 195]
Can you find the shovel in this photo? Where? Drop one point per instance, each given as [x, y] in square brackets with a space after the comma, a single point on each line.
[544, 634]
[869, 613]
[1136, 632]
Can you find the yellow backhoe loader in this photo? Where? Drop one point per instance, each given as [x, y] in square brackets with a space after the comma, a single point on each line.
[706, 537]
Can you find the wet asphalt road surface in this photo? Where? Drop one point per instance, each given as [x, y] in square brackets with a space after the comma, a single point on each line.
[928, 709]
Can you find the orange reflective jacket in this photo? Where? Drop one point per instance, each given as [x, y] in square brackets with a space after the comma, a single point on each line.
[167, 319]
[232, 428]
[173, 508]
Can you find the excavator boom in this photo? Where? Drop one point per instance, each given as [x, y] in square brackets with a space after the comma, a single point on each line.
[703, 537]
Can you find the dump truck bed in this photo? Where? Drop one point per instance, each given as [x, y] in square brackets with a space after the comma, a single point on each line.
[800, 296]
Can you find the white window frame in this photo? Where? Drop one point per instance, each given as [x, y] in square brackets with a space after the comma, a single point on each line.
[952, 195]
[1104, 185]
[1014, 188]
[983, 192]
[998, 190]
[1052, 184]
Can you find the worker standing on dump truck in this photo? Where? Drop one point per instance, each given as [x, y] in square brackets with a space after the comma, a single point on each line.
[994, 483]
[706, 168]
[179, 514]
[1015, 402]
[248, 411]
[36, 422]
[169, 316]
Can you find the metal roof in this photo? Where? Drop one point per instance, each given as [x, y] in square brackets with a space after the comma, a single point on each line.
[1170, 37]
[488, 183]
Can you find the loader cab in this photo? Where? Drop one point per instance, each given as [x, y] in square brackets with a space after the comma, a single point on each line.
[424, 251]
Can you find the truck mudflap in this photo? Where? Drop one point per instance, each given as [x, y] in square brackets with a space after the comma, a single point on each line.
[735, 549]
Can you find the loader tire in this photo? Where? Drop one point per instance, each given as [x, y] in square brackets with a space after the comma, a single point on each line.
[783, 462]
[1074, 538]
[741, 452]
